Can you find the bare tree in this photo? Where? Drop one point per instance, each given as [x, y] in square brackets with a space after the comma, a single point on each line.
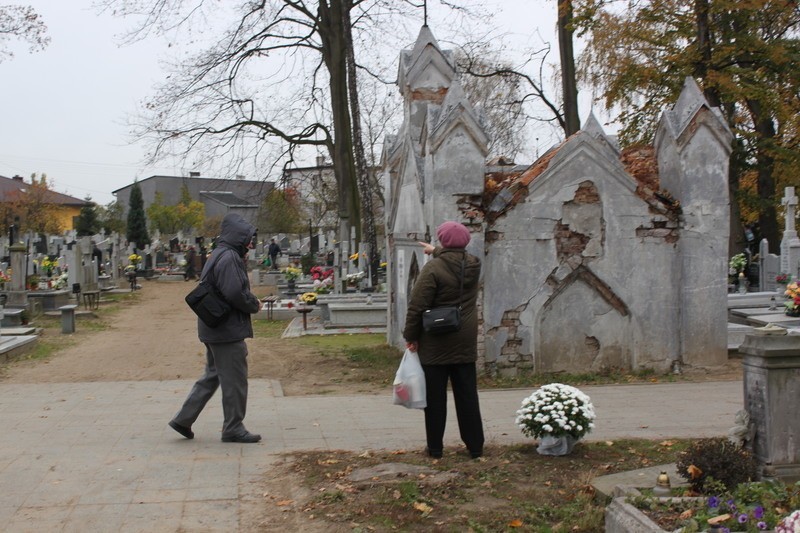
[23, 23]
[522, 88]
[279, 82]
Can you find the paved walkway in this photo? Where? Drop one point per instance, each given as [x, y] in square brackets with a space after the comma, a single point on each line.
[100, 457]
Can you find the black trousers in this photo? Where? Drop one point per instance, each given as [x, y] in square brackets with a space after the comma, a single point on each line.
[464, 381]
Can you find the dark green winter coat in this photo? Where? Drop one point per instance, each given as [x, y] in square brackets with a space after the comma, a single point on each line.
[436, 286]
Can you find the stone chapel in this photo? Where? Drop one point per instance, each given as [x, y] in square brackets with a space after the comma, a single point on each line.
[593, 258]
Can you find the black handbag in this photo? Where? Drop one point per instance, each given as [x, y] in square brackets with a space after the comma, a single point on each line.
[445, 319]
[208, 304]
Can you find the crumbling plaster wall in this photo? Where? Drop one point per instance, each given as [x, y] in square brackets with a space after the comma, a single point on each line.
[632, 324]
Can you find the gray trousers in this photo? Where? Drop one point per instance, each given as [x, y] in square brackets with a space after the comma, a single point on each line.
[226, 367]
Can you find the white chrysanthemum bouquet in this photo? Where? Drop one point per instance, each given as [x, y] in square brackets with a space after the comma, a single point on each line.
[556, 410]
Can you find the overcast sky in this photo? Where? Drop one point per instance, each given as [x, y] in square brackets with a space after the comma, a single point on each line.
[63, 111]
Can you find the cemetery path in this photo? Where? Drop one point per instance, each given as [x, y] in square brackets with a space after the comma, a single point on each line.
[156, 340]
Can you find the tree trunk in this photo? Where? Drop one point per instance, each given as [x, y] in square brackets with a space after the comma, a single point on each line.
[765, 163]
[332, 33]
[362, 172]
[569, 86]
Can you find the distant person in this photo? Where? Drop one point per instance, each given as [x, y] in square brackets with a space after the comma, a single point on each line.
[203, 256]
[273, 251]
[448, 356]
[226, 351]
[191, 256]
[97, 257]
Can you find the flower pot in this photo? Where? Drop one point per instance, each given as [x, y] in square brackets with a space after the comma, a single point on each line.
[792, 312]
[550, 445]
[290, 283]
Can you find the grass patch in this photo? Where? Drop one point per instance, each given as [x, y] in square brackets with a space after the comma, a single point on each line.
[510, 488]
[270, 329]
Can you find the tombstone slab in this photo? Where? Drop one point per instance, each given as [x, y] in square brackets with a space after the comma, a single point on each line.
[771, 389]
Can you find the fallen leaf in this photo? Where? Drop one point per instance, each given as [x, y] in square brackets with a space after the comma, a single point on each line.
[423, 507]
[399, 452]
[609, 443]
[515, 523]
[666, 443]
[719, 519]
[694, 472]
[396, 495]
[328, 462]
[284, 503]
[687, 514]
[644, 427]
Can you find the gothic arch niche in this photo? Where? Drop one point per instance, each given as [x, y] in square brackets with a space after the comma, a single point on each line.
[413, 272]
[583, 327]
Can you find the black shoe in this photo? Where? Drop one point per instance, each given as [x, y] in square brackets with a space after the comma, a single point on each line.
[436, 454]
[245, 437]
[476, 455]
[183, 430]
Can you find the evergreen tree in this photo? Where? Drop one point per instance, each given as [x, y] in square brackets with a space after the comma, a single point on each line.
[137, 222]
[88, 222]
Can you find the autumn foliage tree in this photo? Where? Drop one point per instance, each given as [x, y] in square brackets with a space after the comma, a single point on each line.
[186, 215]
[280, 212]
[33, 208]
[744, 55]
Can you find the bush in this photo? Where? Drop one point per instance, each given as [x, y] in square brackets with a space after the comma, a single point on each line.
[306, 262]
[716, 459]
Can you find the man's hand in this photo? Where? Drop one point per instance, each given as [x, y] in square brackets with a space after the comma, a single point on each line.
[412, 345]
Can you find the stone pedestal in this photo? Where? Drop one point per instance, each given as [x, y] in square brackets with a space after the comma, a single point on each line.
[771, 391]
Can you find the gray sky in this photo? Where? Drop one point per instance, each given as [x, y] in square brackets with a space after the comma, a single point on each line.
[63, 111]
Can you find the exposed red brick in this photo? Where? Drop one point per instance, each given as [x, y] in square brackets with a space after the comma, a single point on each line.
[587, 194]
[436, 96]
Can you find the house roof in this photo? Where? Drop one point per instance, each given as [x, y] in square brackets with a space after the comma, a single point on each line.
[9, 185]
[209, 182]
[226, 198]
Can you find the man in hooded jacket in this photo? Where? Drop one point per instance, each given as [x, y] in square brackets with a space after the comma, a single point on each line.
[226, 351]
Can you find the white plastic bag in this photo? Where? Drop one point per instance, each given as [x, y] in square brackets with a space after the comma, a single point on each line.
[409, 383]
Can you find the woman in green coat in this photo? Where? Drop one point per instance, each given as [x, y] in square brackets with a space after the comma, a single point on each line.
[448, 356]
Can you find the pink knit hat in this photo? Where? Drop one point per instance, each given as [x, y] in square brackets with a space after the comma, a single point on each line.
[453, 235]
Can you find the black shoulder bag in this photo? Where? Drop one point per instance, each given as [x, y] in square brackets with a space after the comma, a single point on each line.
[208, 303]
[445, 319]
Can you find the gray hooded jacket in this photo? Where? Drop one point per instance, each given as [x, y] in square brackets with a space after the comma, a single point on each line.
[225, 269]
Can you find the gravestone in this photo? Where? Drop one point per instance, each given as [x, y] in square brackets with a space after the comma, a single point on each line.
[771, 388]
[790, 244]
[769, 267]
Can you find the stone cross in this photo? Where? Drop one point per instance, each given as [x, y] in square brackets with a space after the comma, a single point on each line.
[790, 244]
[790, 201]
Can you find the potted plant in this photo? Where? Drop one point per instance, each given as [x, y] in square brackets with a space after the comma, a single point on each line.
[558, 415]
[32, 282]
[792, 303]
[291, 274]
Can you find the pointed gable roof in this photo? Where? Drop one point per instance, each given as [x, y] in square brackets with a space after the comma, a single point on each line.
[426, 57]
[456, 109]
[690, 102]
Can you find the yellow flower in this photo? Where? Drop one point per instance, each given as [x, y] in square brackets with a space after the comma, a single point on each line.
[308, 297]
[354, 257]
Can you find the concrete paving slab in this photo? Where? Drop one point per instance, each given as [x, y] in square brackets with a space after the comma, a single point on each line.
[74, 455]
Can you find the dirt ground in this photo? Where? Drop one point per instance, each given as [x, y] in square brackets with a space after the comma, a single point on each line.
[155, 338]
